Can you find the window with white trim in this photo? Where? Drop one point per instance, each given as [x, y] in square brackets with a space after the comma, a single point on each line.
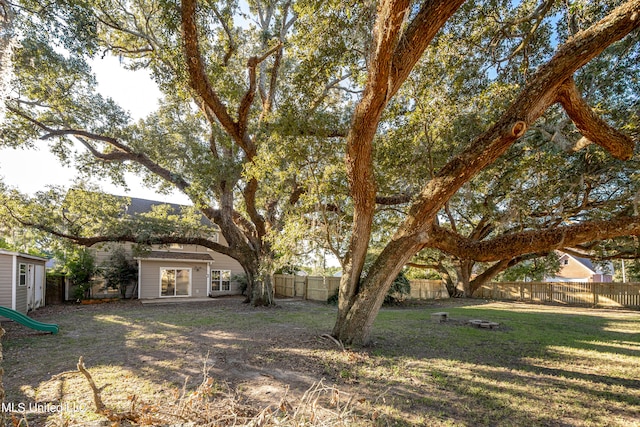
[175, 281]
[220, 280]
[22, 275]
[214, 237]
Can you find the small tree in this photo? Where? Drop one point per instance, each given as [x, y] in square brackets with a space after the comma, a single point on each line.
[81, 268]
[119, 271]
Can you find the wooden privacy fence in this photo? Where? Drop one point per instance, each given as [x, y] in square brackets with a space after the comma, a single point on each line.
[591, 293]
[428, 289]
[314, 288]
[587, 293]
[319, 288]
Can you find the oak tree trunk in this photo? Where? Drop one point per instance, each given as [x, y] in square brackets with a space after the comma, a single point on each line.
[464, 276]
[357, 314]
[260, 290]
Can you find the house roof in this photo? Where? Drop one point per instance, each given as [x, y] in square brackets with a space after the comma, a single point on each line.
[139, 206]
[586, 263]
[176, 256]
[144, 205]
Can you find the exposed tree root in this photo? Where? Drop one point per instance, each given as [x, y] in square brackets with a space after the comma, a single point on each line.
[336, 341]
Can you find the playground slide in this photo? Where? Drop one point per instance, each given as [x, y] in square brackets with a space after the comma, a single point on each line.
[27, 321]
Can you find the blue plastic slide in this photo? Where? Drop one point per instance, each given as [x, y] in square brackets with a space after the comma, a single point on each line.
[27, 321]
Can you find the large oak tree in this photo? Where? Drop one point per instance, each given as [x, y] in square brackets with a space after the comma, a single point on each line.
[398, 44]
[276, 97]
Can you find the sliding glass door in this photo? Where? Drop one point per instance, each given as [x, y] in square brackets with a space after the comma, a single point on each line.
[175, 282]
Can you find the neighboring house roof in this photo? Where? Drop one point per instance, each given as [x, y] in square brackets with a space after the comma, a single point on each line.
[583, 262]
[139, 206]
[588, 264]
[23, 255]
[176, 256]
[574, 268]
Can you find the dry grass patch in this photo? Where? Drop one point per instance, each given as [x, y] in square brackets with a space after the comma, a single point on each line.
[543, 366]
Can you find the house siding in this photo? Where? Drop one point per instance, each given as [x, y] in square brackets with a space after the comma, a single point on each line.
[149, 269]
[150, 277]
[102, 252]
[6, 267]
[9, 276]
[224, 262]
[574, 270]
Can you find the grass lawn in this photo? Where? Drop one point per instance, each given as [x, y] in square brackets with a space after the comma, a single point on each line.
[543, 366]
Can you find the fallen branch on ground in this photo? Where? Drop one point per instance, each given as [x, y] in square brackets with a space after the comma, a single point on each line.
[212, 405]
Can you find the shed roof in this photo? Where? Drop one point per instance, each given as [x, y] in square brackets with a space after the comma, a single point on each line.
[23, 255]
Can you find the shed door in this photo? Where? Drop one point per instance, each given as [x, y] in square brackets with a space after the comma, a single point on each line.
[30, 287]
[39, 286]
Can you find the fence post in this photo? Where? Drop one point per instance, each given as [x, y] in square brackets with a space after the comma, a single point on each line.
[594, 289]
[550, 292]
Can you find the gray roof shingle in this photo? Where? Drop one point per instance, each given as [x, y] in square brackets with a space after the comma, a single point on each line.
[191, 256]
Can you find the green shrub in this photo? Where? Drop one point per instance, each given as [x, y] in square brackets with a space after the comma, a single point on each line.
[242, 280]
[399, 291]
[81, 268]
[119, 271]
[333, 299]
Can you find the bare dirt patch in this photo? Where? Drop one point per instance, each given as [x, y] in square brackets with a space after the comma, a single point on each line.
[154, 351]
[542, 366]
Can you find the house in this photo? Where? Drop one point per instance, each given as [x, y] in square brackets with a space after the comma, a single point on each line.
[22, 281]
[178, 271]
[576, 269]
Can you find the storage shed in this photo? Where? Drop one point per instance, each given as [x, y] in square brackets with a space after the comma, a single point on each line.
[22, 281]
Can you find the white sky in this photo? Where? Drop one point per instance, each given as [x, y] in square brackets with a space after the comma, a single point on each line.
[31, 171]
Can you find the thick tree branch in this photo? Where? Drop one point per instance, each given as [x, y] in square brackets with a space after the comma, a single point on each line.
[591, 125]
[249, 194]
[498, 267]
[398, 199]
[515, 244]
[129, 237]
[124, 153]
[417, 37]
[249, 96]
[540, 93]
[198, 77]
[268, 98]
[359, 147]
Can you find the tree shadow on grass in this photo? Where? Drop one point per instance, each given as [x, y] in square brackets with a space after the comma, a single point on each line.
[538, 368]
[155, 351]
